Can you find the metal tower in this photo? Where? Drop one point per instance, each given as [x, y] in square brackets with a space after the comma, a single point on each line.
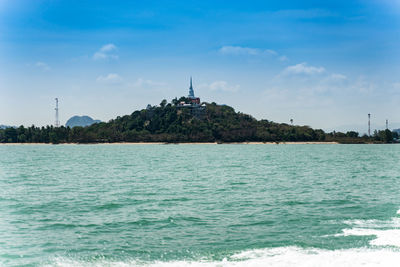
[387, 124]
[369, 124]
[57, 122]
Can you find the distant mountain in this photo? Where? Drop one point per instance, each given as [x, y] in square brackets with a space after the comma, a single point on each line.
[80, 121]
[5, 126]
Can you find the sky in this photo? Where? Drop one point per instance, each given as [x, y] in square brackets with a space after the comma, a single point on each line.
[326, 64]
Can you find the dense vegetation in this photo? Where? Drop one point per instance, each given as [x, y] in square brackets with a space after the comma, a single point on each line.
[169, 123]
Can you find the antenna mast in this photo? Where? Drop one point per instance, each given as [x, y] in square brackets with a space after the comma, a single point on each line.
[57, 122]
[369, 124]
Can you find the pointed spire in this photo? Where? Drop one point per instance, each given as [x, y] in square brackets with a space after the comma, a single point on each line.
[191, 92]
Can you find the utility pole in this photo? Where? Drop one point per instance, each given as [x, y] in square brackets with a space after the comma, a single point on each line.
[57, 122]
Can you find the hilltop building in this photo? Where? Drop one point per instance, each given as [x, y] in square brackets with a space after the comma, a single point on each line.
[197, 109]
[195, 100]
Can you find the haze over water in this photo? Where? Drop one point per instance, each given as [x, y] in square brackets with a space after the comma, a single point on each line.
[206, 205]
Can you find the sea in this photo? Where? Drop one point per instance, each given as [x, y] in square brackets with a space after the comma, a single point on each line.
[200, 205]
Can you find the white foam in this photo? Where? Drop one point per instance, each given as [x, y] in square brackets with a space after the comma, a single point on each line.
[387, 233]
[279, 257]
[383, 237]
[385, 252]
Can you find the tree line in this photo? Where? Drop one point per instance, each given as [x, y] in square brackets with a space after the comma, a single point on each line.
[171, 123]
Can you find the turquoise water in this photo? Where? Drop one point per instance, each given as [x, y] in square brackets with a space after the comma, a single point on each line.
[199, 205]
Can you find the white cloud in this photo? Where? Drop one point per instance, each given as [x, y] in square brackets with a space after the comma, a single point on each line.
[142, 83]
[283, 58]
[108, 48]
[364, 85]
[42, 66]
[249, 51]
[223, 86]
[270, 52]
[338, 77]
[107, 51]
[109, 78]
[304, 68]
[239, 50]
[311, 79]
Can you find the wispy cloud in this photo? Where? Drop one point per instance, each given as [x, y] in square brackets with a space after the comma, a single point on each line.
[337, 77]
[111, 78]
[306, 79]
[283, 58]
[303, 68]
[43, 66]
[223, 86]
[144, 83]
[108, 51]
[250, 51]
[364, 86]
[240, 50]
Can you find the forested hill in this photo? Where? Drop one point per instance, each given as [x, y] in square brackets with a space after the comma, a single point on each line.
[169, 122]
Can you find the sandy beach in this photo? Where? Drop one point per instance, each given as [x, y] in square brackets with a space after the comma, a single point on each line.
[191, 143]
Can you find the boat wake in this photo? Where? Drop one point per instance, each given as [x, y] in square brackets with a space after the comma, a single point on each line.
[384, 251]
[281, 256]
[386, 233]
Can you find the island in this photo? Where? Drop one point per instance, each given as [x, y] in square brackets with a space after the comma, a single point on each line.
[186, 120]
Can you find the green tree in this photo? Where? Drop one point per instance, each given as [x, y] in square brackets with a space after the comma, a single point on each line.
[53, 138]
[387, 136]
[11, 135]
[163, 103]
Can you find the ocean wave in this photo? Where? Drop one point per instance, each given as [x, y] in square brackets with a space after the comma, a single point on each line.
[280, 257]
[385, 251]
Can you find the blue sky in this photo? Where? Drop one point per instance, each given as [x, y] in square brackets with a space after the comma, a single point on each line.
[326, 64]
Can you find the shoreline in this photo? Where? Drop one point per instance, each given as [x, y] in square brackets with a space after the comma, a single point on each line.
[183, 143]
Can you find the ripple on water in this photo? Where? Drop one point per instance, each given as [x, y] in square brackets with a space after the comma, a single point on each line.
[199, 205]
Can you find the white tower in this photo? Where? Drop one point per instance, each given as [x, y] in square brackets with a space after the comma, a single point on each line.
[57, 122]
[369, 124]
